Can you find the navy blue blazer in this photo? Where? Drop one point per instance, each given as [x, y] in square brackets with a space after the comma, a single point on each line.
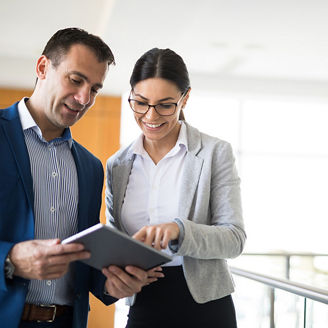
[17, 218]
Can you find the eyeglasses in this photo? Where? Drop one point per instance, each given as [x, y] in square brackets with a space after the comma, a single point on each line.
[162, 109]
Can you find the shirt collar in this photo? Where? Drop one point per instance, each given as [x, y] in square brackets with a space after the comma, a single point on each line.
[182, 139]
[138, 148]
[28, 122]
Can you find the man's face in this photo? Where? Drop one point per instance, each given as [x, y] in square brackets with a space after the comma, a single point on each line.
[70, 89]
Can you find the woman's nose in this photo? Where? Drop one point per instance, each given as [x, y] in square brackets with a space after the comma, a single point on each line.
[151, 114]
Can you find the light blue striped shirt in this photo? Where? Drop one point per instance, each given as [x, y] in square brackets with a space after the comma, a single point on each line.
[55, 187]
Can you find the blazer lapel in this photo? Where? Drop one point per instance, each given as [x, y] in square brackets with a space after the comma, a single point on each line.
[121, 174]
[82, 187]
[190, 179]
[15, 137]
[191, 174]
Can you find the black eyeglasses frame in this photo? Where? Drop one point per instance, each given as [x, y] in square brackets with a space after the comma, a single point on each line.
[149, 106]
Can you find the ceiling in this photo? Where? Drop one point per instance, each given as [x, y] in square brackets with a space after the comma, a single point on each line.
[228, 45]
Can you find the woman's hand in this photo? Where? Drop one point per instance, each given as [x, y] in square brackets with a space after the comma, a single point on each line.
[159, 235]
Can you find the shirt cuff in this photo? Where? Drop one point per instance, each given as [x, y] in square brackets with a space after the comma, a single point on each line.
[174, 245]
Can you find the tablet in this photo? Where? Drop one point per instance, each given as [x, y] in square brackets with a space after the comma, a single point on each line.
[111, 246]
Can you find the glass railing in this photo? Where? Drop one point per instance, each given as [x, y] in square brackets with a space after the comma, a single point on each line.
[281, 290]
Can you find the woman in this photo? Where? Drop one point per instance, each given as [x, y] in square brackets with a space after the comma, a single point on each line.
[177, 189]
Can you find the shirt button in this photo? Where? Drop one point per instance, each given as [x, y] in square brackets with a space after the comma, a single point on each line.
[52, 209]
[54, 174]
[49, 282]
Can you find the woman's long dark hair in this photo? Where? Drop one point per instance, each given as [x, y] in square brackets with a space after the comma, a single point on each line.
[165, 64]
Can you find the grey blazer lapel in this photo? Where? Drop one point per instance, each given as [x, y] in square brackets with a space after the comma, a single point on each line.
[121, 174]
[190, 179]
[191, 174]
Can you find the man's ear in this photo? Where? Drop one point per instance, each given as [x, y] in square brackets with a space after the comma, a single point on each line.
[42, 66]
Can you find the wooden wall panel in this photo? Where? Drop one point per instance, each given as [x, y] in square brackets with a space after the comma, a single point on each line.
[10, 96]
[99, 132]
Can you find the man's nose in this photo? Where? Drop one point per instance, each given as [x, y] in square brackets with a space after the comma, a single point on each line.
[83, 96]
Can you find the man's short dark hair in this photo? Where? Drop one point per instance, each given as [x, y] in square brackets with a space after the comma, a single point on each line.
[61, 42]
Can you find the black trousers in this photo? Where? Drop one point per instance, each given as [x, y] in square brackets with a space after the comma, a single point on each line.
[168, 303]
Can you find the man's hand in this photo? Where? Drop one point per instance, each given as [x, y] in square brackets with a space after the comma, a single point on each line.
[154, 274]
[159, 235]
[45, 259]
[122, 283]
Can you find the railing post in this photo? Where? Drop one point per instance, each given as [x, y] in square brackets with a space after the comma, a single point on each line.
[304, 312]
[272, 293]
[288, 267]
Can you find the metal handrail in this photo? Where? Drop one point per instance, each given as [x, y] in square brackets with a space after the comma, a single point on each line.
[300, 254]
[287, 257]
[316, 294]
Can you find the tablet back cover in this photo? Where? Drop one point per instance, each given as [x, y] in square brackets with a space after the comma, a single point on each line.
[110, 246]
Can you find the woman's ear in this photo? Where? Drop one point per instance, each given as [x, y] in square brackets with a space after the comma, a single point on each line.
[185, 98]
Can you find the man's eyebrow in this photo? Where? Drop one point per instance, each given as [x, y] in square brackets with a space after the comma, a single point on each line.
[163, 99]
[84, 77]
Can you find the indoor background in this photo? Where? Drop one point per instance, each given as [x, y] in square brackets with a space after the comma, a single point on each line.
[259, 77]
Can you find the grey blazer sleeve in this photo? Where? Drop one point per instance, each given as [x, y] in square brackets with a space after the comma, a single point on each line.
[214, 228]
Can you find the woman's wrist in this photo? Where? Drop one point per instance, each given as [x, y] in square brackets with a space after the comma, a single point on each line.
[174, 245]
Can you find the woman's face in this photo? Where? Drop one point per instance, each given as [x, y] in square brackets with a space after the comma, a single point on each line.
[157, 128]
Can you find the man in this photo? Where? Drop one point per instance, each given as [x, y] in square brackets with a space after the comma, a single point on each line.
[50, 188]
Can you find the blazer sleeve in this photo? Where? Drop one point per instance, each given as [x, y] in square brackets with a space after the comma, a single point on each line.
[220, 233]
[5, 248]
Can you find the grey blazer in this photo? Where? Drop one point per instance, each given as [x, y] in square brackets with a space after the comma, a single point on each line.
[210, 210]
